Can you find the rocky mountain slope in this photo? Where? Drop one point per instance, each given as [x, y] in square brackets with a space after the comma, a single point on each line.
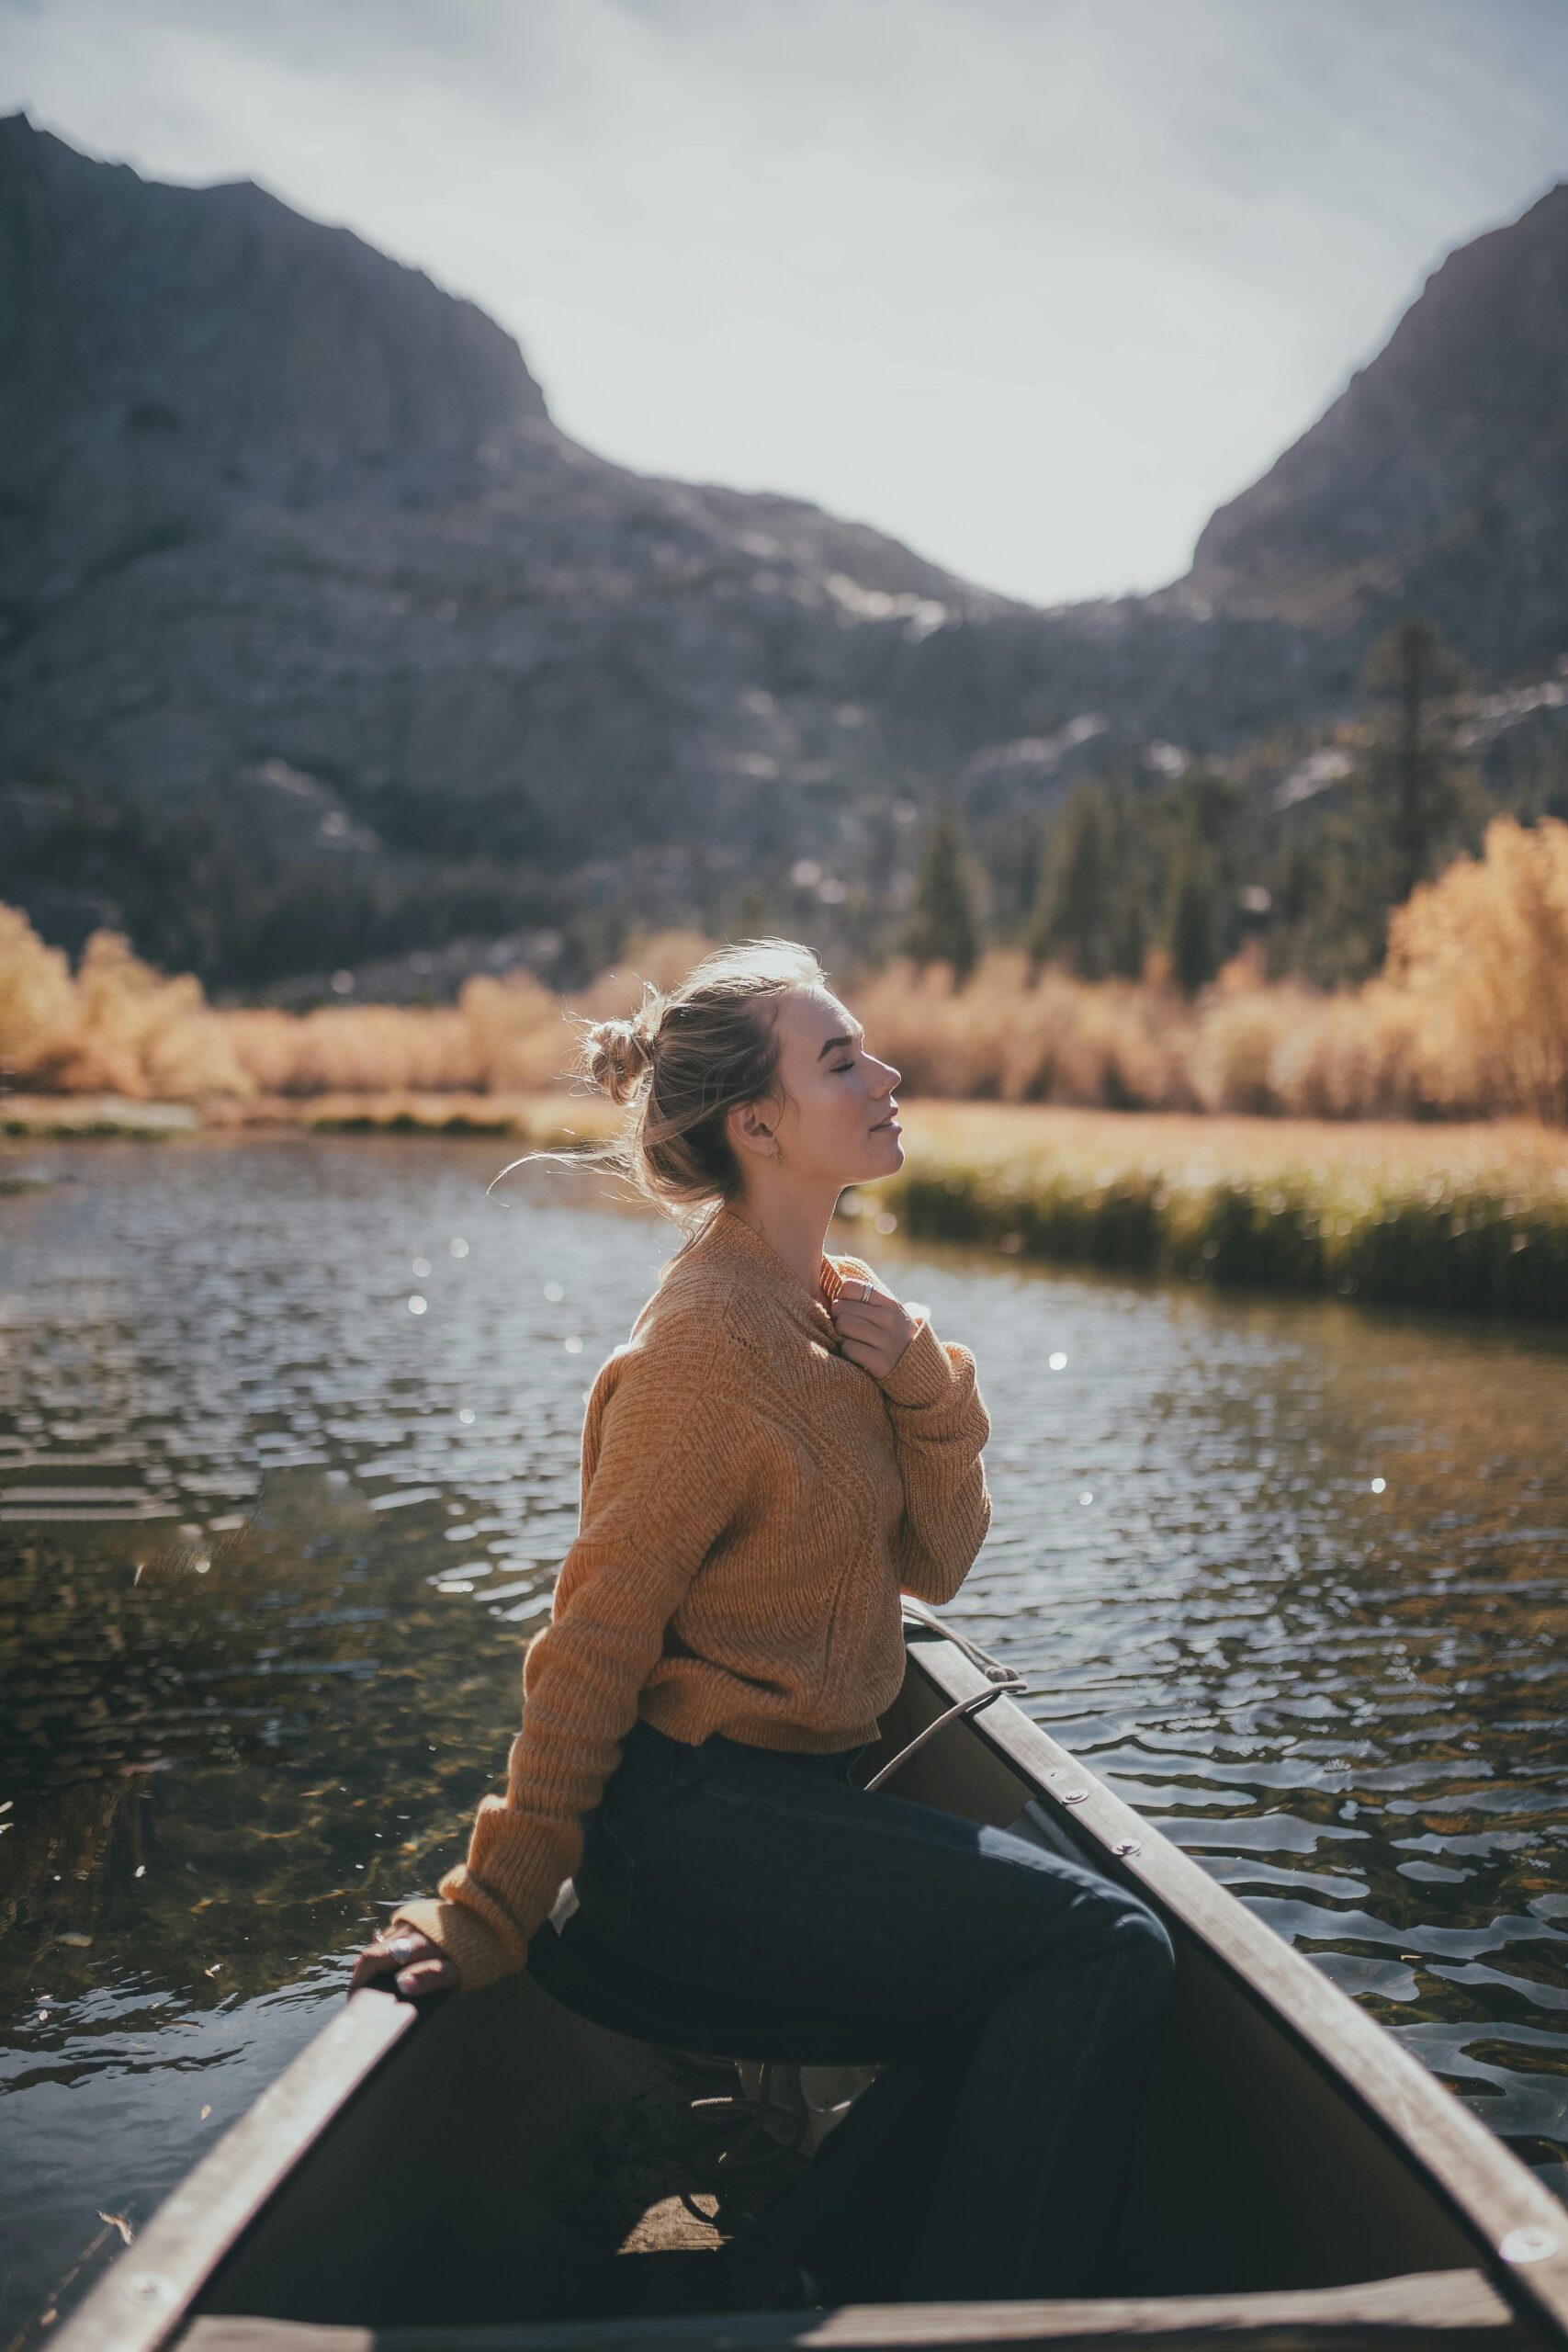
[290, 536]
[1439, 476]
[279, 509]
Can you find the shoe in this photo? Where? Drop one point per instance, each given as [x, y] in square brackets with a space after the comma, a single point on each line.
[765, 2274]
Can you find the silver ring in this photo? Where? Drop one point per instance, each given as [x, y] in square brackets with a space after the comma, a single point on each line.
[398, 1949]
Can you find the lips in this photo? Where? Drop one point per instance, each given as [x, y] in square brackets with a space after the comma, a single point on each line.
[890, 1121]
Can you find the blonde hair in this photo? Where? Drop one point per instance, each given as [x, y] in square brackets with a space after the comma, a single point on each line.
[679, 1063]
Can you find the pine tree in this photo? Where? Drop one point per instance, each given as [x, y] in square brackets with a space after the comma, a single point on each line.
[943, 925]
[1192, 914]
[1127, 939]
[1070, 922]
[1409, 680]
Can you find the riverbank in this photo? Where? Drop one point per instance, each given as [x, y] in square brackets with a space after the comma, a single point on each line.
[552, 1119]
[1471, 1217]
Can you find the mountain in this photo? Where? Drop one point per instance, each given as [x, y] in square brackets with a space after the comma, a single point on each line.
[278, 507]
[275, 505]
[1438, 479]
[294, 551]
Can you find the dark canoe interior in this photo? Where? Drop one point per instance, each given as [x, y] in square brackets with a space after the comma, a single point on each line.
[1294, 2162]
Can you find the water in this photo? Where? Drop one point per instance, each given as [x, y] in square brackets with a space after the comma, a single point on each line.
[273, 1539]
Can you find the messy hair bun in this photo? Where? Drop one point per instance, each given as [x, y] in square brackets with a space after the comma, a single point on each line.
[681, 1062]
[616, 1053]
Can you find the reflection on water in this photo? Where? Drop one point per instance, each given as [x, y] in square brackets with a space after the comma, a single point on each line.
[288, 1459]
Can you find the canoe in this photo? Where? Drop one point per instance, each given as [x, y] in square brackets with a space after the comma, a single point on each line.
[486, 2171]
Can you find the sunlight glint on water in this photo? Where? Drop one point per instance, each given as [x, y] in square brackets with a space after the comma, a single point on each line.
[1289, 1575]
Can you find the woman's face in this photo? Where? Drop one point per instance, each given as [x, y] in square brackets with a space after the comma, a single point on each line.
[835, 1124]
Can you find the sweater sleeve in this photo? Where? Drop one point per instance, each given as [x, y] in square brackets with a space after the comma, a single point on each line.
[663, 1477]
[940, 1424]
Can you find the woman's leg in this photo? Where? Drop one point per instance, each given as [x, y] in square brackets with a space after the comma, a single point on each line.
[991, 2153]
[855, 2215]
[1028, 2197]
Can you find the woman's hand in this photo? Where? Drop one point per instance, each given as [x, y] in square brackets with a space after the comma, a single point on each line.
[873, 1331]
[422, 1965]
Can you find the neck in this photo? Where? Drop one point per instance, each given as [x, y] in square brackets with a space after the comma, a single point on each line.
[795, 1227]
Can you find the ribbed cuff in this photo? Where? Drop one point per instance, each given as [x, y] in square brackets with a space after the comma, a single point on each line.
[479, 1956]
[923, 1373]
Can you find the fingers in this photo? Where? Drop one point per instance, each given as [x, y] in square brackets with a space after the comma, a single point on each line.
[367, 1972]
[874, 1342]
[425, 1976]
[868, 1314]
[421, 1965]
[880, 1323]
[373, 1961]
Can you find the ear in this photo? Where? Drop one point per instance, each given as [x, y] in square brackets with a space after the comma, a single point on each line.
[751, 1128]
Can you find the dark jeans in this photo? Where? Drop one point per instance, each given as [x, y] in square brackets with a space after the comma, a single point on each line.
[988, 2158]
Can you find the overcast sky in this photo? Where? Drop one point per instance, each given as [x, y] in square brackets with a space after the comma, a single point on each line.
[1031, 284]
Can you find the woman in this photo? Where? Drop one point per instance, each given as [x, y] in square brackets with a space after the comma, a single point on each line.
[781, 1448]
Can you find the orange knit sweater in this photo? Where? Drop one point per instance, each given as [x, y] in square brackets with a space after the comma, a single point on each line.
[753, 1502]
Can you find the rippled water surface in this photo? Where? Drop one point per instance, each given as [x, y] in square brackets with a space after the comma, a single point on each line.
[288, 1460]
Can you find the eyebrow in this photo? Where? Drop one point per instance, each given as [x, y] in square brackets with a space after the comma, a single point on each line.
[829, 1043]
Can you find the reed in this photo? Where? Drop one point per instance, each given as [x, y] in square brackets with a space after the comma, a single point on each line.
[1469, 1219]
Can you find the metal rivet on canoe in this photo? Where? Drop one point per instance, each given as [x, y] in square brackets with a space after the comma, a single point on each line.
[1125, 1846]
[1074, 1796]
[1532, 2243]
[146, 2286]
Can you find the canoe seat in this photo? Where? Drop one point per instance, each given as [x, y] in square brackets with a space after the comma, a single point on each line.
[577, 1968]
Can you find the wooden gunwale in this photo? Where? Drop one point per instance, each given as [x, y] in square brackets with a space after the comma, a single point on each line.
[144, 2301]
[145, 2294]
[1491, 2193]
[1453, 2310]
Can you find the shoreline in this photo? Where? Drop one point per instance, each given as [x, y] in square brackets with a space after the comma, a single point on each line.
[1472, 1216]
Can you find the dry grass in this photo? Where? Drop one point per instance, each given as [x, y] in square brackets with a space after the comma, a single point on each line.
[1213, 1149]
[1471, 1217]
[1120, 1044]
[555, 1119]
[1274, 1145]
[1469, 1020]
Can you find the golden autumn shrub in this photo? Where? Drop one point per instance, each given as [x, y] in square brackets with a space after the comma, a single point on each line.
[357, 1048]
[1484, 950]
[518, 1033]
[1008, 1038]
[1468, 1019]
[38, 1001]
[119, 1026]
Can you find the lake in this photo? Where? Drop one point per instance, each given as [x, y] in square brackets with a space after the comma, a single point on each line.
[288, 1462]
